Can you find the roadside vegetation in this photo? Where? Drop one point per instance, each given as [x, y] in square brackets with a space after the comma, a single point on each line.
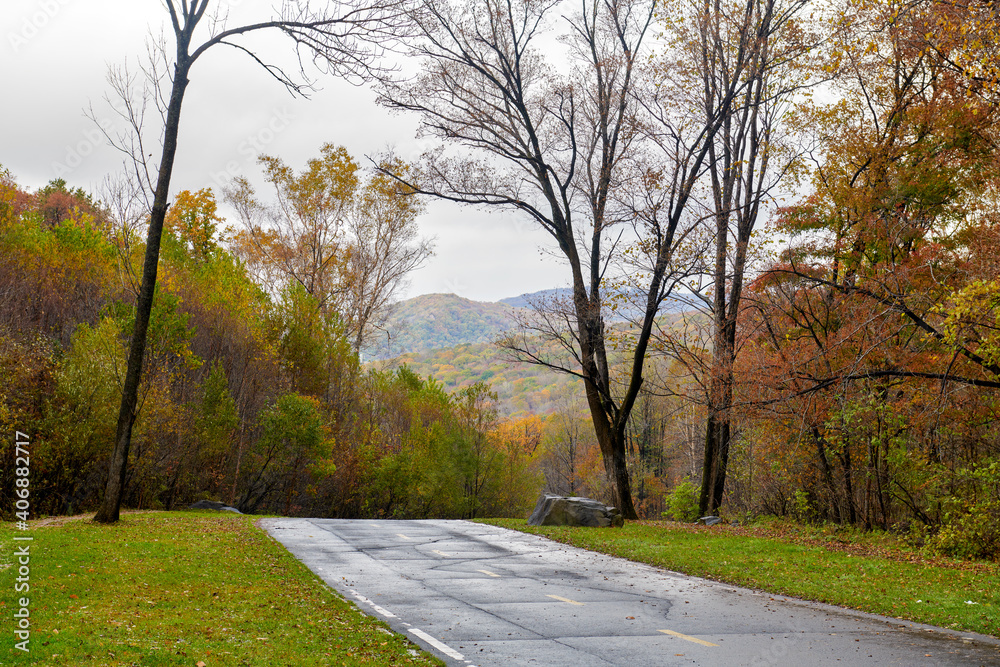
[184, 589]
[254, 393]
[870, 571]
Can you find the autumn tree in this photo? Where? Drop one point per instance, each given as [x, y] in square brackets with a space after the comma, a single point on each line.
[349, 244]
[338, 38]
[57, 202]
[859, 324]
[194, 222]
[384, 249]
[903, 205]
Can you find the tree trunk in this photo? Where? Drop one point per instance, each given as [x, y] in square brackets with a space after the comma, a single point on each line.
[723, 429]
[612, 443]
[709, 462]
[622, 485]
[845, 459]
[111, 505]
[827, 471]
[718, 426]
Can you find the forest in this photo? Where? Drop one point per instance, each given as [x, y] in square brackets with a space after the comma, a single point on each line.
[817, 184]
[254, 398]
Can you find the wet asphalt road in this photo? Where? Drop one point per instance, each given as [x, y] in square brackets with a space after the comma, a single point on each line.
[480, 595]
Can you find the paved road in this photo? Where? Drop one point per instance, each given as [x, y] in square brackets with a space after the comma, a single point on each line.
[479, 595]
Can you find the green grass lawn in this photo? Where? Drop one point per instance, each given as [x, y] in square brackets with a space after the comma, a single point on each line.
[186, 588]
[862, 575]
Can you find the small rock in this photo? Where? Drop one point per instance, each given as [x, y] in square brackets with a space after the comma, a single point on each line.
[213, 505]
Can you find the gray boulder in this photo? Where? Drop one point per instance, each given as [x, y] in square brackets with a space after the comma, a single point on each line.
[554, 510]
[213, 505]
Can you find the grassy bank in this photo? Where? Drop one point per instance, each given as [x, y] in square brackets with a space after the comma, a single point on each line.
[862, 574]
[180, 589]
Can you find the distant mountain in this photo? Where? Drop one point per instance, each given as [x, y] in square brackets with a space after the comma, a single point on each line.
[526, 300]
[625, 308]
[439, 321]
[449, 338]
[436, 321]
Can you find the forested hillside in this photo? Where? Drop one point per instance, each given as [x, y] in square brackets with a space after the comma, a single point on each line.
[521, 389]
[435, 321]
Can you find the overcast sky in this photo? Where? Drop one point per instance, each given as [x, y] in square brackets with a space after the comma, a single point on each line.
[56, 54]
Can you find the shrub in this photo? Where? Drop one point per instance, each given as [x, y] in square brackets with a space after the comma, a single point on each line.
[682, 502]
[974, 534]
[974, 530]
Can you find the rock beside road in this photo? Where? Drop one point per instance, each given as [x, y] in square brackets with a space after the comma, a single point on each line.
[213, 505]
[553, 510]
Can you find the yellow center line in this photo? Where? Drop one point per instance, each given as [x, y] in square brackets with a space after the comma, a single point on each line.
[492, 574]
[441, 553]
[566, 600]
[688, 638]
[405, 537]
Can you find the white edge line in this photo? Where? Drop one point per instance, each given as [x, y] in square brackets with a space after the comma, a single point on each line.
[444, 648]
[378, 609]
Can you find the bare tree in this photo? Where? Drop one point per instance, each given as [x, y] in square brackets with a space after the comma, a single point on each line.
[564, 149]
[748, 159]
[122, 196]
[339, 37]
[735, 66]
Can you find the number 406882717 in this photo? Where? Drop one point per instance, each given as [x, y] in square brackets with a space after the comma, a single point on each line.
[22, 464]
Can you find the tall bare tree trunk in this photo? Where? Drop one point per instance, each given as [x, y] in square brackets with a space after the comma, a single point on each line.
[111, 505]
